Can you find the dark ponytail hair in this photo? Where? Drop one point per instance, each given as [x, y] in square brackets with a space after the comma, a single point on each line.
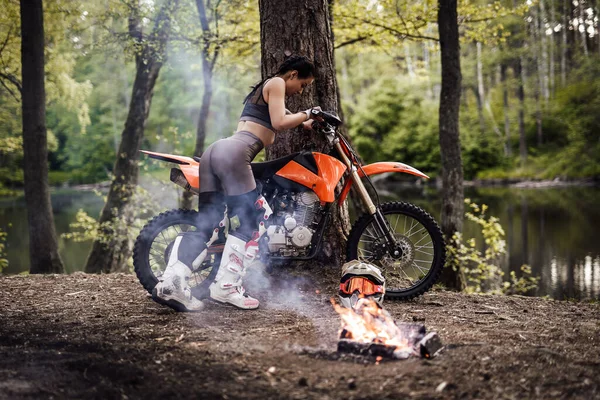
[305, 68]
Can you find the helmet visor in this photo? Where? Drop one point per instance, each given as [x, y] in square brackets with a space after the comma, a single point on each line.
[361, 285]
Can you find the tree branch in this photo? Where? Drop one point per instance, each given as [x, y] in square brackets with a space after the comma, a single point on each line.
[6, 40]
[12, 79]
[351, 41]
[395, 31]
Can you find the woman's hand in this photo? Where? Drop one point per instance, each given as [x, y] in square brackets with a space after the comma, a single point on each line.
[311, 116]
[307, 125]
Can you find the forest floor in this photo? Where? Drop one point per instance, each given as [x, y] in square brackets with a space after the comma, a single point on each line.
[101, 336]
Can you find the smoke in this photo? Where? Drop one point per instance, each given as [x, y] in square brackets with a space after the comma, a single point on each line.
[303, 295]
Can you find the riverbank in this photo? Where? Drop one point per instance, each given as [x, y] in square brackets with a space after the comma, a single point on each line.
[100, 336]
[533, 183]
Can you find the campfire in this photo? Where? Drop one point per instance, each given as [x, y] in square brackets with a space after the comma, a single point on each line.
[369, 330]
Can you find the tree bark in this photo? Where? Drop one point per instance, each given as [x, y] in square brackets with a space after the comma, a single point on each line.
[43, 242]
[111, 252]
[452, 172]
[283, 33]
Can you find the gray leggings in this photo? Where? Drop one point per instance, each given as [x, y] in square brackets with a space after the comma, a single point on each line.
[225, 165]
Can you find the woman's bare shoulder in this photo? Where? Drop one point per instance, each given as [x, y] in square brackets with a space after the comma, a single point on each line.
[275, 82]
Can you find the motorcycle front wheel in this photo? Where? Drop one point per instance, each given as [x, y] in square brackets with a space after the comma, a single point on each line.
[153, 247]
[415, 263]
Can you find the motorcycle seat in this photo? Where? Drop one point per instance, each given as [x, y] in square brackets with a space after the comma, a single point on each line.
[269, 168]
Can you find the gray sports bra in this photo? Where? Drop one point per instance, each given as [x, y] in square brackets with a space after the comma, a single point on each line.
[256, 109]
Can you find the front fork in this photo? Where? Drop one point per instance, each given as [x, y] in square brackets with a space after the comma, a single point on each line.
[381, 224]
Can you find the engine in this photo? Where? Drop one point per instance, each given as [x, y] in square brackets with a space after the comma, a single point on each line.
[296, 216]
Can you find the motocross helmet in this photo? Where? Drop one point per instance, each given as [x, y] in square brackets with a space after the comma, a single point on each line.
[361, 279]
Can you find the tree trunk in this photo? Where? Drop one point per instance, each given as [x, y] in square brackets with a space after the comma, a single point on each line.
[563, 50]
[520, 76]
[597, 11]
[284, 33]
[552, 46]
[43, 243]
[537, 37]
[524, 231]
[505, 108]
[409, 62]
[480, 115]
[543, 70]
[208, 63]
[452, 172]
[583, 33]
[571, 37]
[112, 250]
[480, 89]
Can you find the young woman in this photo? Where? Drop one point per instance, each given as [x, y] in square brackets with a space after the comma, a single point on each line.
[225, 168]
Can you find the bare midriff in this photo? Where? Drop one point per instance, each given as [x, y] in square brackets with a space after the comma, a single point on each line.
[266, 135]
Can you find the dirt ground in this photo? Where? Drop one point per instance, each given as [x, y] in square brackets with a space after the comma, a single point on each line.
[101, 336]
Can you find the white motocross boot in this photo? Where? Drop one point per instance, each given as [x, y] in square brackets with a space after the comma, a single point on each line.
[227, 287]
[173, 289]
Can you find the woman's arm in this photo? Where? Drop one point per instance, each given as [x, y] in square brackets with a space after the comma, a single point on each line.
[275, 90]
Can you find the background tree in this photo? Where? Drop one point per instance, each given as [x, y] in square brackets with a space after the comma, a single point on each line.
[113, 248]
[283, 33]
[452, 172]
[43, 244]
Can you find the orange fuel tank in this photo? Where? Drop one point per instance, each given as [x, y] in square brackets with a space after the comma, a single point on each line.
[330, 171]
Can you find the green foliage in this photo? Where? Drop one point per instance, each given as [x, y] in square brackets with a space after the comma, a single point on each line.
[480, 266]
[522, 284]
[384, 23]
[63, 22]
[58, 178]
[87, 228]
[479, 151]
[84, 228]
[11, 177]
[391, 124]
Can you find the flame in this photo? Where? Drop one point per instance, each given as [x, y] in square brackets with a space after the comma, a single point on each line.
[367, 322]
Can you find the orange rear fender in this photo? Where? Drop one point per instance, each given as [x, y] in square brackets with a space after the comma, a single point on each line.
[188, 166]
[381, 168]
[181, 160]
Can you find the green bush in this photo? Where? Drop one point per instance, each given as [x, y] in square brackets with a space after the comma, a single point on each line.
[480, 268]
[58, 178]
[11, 177]
[394, 124]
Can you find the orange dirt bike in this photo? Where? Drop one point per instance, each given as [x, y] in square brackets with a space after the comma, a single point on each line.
[400, 238]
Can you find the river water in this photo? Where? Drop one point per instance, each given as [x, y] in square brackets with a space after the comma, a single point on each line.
[554, 230]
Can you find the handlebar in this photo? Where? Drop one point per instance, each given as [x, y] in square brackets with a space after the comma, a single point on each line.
[329, 117]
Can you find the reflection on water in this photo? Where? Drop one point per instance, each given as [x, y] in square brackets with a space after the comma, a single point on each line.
[555, 231]
[584, 276]
[65, 204]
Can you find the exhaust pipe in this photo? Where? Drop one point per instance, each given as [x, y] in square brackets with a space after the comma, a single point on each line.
[178, 178]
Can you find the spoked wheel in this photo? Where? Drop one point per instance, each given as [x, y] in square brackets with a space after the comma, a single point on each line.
[153, 248]
[415, 262]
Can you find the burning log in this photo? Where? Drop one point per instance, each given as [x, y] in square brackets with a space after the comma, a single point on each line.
[369, 330]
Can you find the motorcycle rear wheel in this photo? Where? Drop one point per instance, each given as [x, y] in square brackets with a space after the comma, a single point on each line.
[153, 246]
[420, 245]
